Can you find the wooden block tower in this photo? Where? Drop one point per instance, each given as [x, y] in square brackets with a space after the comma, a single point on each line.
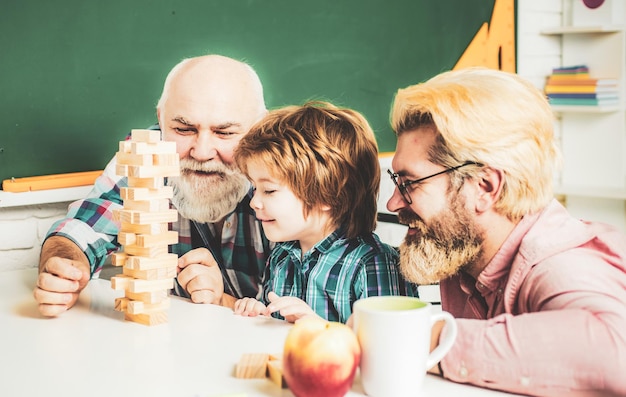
[148, 269]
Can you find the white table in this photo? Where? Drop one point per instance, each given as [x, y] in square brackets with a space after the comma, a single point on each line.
[92, 351]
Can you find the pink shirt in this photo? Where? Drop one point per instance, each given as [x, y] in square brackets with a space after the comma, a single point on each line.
[547, 316]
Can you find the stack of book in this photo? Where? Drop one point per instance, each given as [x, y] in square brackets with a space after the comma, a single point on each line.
[573, 85]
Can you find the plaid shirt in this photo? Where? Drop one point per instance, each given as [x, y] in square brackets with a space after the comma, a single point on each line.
[334, 273]
[244, 247]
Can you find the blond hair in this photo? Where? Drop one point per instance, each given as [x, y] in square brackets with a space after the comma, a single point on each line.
[326, 155]
[494, 118]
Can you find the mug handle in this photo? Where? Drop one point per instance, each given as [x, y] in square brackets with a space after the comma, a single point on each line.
[446, 343]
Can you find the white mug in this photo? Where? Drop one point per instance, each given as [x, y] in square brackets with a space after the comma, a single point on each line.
[394, 333]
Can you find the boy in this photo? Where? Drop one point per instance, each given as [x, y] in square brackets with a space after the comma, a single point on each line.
[316, 176]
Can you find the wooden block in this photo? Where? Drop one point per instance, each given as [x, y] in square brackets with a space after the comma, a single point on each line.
[152, 148]
[155, 205]
[135, 285]
[146, 263]
[142, 218]
[143, 135]
[252, 365]
[147, 240]
[166, 159]
[149, 228]
[152, 274]
[138, 307]
[147, 171]
[125, 146]
[126, 238]
[142, 193]
[151, 240]
[55, 181]
[121, 304]
[147, 297]
[275, 373]
[149, 252]
[120, 282]
[153, 318]
[151, 183]
[133, 159]
[119, 259]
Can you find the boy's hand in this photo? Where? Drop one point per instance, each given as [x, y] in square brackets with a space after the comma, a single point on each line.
[250, 307]
[289, 307]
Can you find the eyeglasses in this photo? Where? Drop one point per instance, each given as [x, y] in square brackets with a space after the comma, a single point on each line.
[403, 186]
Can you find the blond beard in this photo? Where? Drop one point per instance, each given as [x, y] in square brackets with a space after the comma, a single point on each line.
[207, 198]
[451, 242]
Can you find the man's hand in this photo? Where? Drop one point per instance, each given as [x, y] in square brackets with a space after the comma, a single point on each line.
[63, 273]
[200, 276]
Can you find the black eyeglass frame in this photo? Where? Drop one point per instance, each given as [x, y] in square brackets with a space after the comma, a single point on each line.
[402, 187]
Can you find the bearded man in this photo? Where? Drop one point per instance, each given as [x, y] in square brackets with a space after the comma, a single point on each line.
[537, 294]
[207, 105]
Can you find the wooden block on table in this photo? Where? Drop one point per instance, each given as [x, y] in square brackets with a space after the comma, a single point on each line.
[119, 259]
[138, 307]
[151, 240]
[152, 148]
[121, 304]
[252, 365]
[151, 183]
[120, 282]
[154, 205]
[166, 159]
[147, 171]
[147, 297]
[124, 158]
[143, 135]
[148, 228]
[124, 147]
[135, 285]
[142, 218]
[126, 238]
[153, 318]
[152, 274]
[150, 252]
[142, 193]
[146, 263]
[147, 240]
[275, 373]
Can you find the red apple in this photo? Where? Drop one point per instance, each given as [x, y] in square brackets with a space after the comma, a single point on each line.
[320, 358]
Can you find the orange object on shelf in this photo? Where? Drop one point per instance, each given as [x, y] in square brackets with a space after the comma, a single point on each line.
[56, 181]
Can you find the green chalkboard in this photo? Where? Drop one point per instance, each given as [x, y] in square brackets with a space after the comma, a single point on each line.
[77, 75]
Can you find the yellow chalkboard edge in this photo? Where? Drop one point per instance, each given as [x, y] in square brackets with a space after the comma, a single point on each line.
[44, 182]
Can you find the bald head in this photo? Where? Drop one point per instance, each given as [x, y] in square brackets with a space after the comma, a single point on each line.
[213, 73]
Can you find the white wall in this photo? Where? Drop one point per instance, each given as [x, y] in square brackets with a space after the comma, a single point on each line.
[537, 54]
[22, 230]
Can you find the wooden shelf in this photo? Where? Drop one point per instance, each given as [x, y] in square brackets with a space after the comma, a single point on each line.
[609, 193]
[560, 30]
[586, 109]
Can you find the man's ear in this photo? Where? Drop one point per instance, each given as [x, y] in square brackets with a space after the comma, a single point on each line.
[490, 184]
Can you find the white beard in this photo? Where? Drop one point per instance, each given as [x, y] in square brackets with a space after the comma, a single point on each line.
[207, 198]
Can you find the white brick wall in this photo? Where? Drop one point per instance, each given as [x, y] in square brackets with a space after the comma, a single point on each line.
[22, 230]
